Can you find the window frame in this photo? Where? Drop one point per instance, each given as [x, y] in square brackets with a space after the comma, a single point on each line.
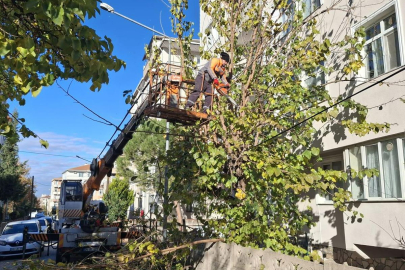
[378, 16]
[319, 199]
[401, 166]
[312, 10]
[321, 78]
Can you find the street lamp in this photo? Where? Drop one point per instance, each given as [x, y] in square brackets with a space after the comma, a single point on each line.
[110, 9]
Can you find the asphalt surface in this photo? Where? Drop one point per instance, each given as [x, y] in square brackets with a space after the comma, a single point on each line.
[12, 263]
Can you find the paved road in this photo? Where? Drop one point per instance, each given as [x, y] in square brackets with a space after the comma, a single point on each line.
[7, 264]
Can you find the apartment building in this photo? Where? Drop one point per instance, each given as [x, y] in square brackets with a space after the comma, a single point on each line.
[169, 59]
[45, 203]
[377, 236]
[83, 173]
[77, 173]
[380, 199]
[2, 140]
[55, 192]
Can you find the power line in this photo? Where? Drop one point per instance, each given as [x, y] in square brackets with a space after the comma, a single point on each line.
[42, 184]
[46, 154]
[333, 105]
[117, 127]
[55, 155]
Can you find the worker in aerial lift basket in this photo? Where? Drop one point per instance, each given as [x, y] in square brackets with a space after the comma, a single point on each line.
[207, 76]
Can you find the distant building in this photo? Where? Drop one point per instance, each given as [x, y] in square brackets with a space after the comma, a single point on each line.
[143, 87]
[170, 59]
[55, 192]
[45, 203]
[83, 173]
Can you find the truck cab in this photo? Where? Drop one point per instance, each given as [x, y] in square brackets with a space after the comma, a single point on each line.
[71, 201]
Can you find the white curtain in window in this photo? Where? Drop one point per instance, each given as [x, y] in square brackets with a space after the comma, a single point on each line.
[403, 145]
[355, 164]
[390, 163]
[374, 187]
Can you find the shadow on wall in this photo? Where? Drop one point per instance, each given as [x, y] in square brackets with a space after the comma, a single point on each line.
[336, 220]
[337, 129]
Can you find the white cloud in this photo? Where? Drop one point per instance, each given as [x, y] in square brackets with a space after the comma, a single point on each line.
[50, 163]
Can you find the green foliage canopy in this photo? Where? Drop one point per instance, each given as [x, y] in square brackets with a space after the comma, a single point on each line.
[273, 48]
[12, 170]
[142, 159]
[118, 198]
[42, 41]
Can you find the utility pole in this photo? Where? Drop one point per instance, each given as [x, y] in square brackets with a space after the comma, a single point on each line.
[32, 195]
[166, 186]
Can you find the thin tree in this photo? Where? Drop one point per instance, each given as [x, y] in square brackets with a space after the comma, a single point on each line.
[12, 188]
[118, 198]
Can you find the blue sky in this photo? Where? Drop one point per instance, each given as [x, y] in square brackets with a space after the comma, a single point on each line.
[57, 118]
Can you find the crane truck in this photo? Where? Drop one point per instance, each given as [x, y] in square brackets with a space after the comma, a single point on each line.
[81, 230]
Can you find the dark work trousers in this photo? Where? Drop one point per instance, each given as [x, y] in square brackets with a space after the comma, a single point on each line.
[201, 85]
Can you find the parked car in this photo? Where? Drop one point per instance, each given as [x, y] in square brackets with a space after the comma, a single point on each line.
[39, 215]
[11, 239]
[55, 225]
[51, 226]
[43, 223]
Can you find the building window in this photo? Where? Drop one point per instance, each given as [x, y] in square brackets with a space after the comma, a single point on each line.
[382, 45]
[80, 174]
[355, 163]
[311, 6]
[336, 166]
[189, 207]
[140, 202]
[373, 162]
[316, 79]
[388, 158]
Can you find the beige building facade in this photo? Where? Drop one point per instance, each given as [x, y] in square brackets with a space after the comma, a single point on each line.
[380, 199]
[83, 173]
[55, 192]
[45, 203]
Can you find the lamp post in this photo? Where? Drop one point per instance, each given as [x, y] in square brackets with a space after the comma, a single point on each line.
[110, 9]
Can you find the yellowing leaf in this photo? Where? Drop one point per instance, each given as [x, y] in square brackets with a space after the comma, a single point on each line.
[35, 93]
[22, 51]
[44, 143]
[334, 113]
[17, 79]
[6, 130]
[240, 194]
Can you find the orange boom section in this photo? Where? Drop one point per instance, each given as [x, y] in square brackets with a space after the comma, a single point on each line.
[94, 182]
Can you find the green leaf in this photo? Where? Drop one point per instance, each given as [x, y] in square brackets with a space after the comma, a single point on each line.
[307, 154]
[3, 48]
[58, 19]
[315, 151]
